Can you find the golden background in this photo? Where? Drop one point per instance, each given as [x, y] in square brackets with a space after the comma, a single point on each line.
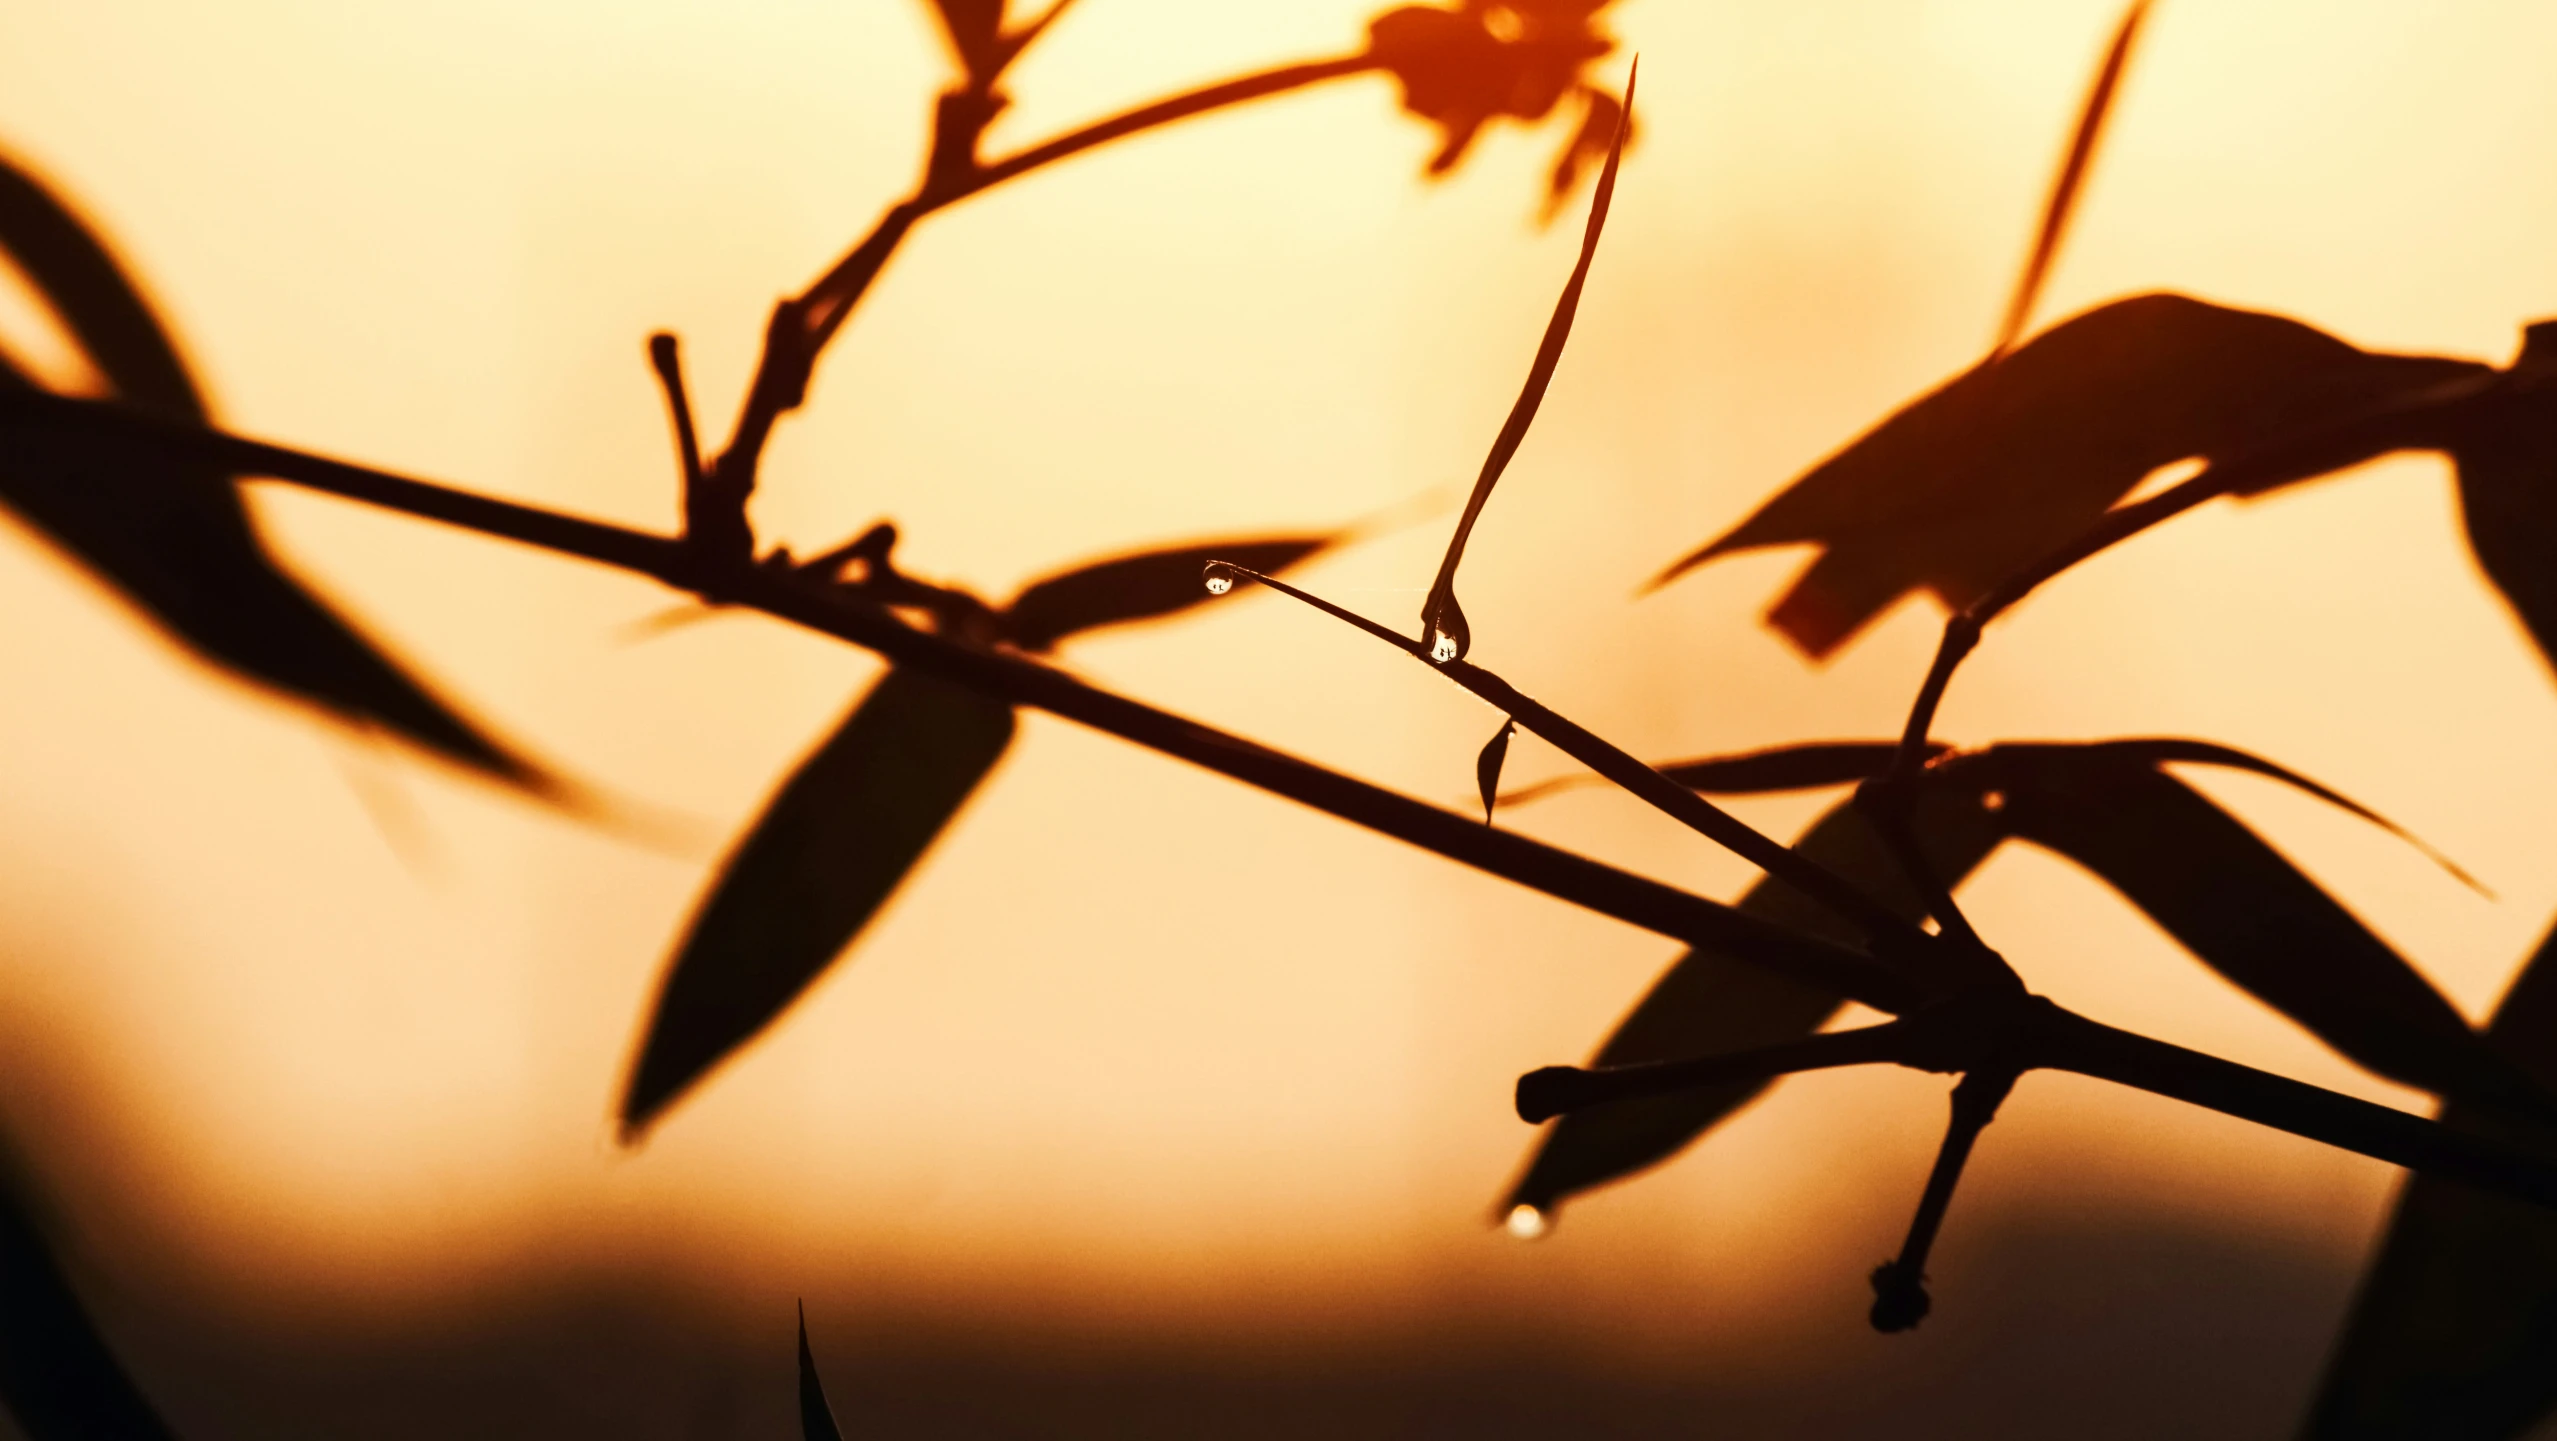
[1148, 1077]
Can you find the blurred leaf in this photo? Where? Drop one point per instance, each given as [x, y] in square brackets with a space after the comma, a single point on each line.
[829, 849]
[2454, 1335]
[58, 1379]
[176, 542]
[1487, 765]
[816, 1418]
[2072, 178]
[2245, 911]
[1462, 67]
[2009, 460]
[1441, 616]
[1709, 1003]
[1141, 586]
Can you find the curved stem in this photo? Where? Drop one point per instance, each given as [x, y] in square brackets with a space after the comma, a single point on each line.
[1166, 111]
[801, 327]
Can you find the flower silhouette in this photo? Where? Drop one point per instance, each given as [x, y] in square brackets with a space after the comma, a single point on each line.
[1486, 58]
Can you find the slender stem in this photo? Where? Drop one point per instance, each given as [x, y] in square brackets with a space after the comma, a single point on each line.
[2054, 1038]
[2420, 421]
[1164, 112]
[2071, 1042]
[834, 611]
[1880, 924]
[1900, 1286]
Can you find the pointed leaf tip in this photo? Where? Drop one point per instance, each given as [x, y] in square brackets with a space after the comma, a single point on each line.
[816, 1418]
[1487, 765]
[1443, 627]
[829, 850]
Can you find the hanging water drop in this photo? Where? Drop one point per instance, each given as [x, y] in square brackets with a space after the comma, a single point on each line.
[1526, 1223]
[1442, 647]
[1220, 578]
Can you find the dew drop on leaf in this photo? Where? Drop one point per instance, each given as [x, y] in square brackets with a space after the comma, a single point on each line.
[1220, 578]
[1442, 647]
[1526, 1223]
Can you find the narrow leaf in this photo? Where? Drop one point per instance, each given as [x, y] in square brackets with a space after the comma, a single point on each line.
[816, 1418]
[1709, 1003]
[58, 1379]
[176, 542]
[1141, 586]
[2454, 1335]
[2248, 913]
[828, 851]
[2004, 463]
[2153, 751]
[1487, 765]
[2064, 190]
[1441, 616]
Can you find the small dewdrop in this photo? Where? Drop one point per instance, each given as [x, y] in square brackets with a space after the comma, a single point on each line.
[1526, 1223]
[1442, 649]
[1220, 579]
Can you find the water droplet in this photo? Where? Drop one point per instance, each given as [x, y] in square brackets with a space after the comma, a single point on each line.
[1527, 1223]
[1220, 578]
[1442, 649]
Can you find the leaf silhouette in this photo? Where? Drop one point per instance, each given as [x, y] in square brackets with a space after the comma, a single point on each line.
[1709, 1003]
[176, 543]
[2245, 911]
[2506, 454]
[1442, 619]
[826, 853]
[1487, 765]
[57, 1377]
[2454, 1335]
[816, 1418]
[1141, 586]
[2224, 894]
[1971, 482]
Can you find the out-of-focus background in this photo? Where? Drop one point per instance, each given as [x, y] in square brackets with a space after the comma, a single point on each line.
[1155, 1106]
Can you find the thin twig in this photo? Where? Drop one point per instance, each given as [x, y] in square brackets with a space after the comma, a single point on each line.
[1892, 936]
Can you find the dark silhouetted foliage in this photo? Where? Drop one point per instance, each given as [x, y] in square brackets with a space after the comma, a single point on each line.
[2004, 477]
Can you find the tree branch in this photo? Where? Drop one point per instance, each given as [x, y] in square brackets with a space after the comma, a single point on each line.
[845, 614]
